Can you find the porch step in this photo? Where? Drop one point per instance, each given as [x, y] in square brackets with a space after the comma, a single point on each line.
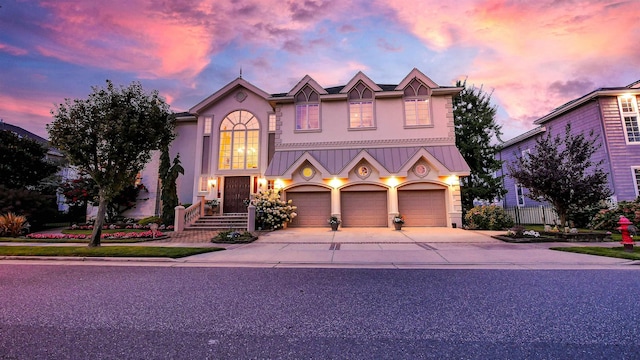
[220, 222]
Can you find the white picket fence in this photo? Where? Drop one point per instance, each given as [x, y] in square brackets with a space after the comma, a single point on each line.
[533, 215]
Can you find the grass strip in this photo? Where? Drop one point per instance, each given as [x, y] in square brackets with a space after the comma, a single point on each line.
[75, 241]
[104, 231]
[105, 251]
[615, 252]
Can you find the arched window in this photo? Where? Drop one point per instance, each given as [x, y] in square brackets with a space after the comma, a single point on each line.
[307, 109]
[416, 104]
[239, 141]
[360, 107]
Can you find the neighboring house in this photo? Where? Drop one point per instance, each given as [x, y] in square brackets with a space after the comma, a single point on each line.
[612, 114]
[363, 151]
[53, 155]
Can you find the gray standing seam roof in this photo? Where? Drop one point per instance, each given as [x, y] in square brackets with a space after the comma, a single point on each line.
[392, 159]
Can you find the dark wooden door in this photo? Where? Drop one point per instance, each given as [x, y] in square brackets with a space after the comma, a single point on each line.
[236, 190]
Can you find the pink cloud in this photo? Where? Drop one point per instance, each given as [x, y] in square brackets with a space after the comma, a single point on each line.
[525, 49]
[16, 51]
[171, 39]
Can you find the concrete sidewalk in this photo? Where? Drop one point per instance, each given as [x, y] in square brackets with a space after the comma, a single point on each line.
[410, 248]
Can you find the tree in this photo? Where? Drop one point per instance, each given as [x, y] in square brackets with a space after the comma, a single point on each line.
[110, 136]
[560, 170]
[476, 130]
[169, 192]
[23, 162]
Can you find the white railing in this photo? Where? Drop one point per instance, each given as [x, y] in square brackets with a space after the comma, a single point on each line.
[185, 217]
[533, 215]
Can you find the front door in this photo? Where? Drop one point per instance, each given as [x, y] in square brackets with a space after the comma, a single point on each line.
[236, 190]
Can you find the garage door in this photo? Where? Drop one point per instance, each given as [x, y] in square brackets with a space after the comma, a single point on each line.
[364, 208]
[423, 207]
[314, 208]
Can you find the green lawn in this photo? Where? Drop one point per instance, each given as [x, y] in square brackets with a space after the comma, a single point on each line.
[104, 231]
[616, 252]
[77, 241]
[105, 251]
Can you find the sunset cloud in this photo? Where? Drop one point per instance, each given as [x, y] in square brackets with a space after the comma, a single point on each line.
[533, 55]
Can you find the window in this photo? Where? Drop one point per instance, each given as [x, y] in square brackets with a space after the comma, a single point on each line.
[630, 116]
[416, 104]
[520, 195]
[636, 178]
[307, 109]
[203, 184]
[207, 124]
[239, 140]
[360, 107]
[272, 122]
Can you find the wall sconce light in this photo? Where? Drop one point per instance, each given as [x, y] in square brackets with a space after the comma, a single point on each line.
[335, 183]
[452, 180]
[278, 184]
[212, 182]
[393, 181]
[262, 181]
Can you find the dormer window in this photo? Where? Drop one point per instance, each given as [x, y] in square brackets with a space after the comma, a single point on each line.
[307, 109]
[360, 107]
[416, 104]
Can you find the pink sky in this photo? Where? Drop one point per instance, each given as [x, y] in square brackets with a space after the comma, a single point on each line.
[533, 55]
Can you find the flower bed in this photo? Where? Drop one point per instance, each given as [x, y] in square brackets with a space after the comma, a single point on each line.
[119, 226]
[117, 235]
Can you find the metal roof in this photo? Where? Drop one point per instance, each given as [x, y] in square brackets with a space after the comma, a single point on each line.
[393, 159]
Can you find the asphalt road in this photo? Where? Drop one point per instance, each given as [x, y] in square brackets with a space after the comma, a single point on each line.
[101, 312]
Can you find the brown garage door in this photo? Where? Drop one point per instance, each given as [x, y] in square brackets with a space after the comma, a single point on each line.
[364, 208]
[314, 208]
[423, 207]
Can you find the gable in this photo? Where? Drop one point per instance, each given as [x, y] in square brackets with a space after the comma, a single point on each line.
[226, 90]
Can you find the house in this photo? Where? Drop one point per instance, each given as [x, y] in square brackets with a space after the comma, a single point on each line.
[52, 155]
[612, 114]
[363, 151]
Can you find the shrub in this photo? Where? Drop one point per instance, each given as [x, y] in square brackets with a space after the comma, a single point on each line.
[12, 224]
[489, 217]
[608, 219]
[271, 212]
[233, 237]
[150, 220]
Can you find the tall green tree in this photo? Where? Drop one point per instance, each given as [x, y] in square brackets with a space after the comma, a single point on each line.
[23, 162]
[561, 171]
[477, 134]
[110, 136]
[169, 192]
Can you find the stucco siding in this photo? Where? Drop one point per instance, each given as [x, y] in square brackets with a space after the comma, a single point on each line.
[185, 145]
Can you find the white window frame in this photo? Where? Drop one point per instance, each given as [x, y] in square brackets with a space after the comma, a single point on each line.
[414, 97]
[360, 103]
[309, 106]
[632, 116]
[519, 195]
[272, 122]
[635, 173]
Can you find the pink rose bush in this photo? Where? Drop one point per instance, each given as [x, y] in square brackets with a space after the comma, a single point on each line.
[117, 235]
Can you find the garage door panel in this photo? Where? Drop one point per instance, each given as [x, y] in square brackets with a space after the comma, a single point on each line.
[314, 208]
[423, 207]
[364, 208]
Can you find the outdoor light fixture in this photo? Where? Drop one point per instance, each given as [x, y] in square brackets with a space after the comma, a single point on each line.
[212, 182]
[393, 181]
[452, 180]
[278, 184]
[335, 183]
